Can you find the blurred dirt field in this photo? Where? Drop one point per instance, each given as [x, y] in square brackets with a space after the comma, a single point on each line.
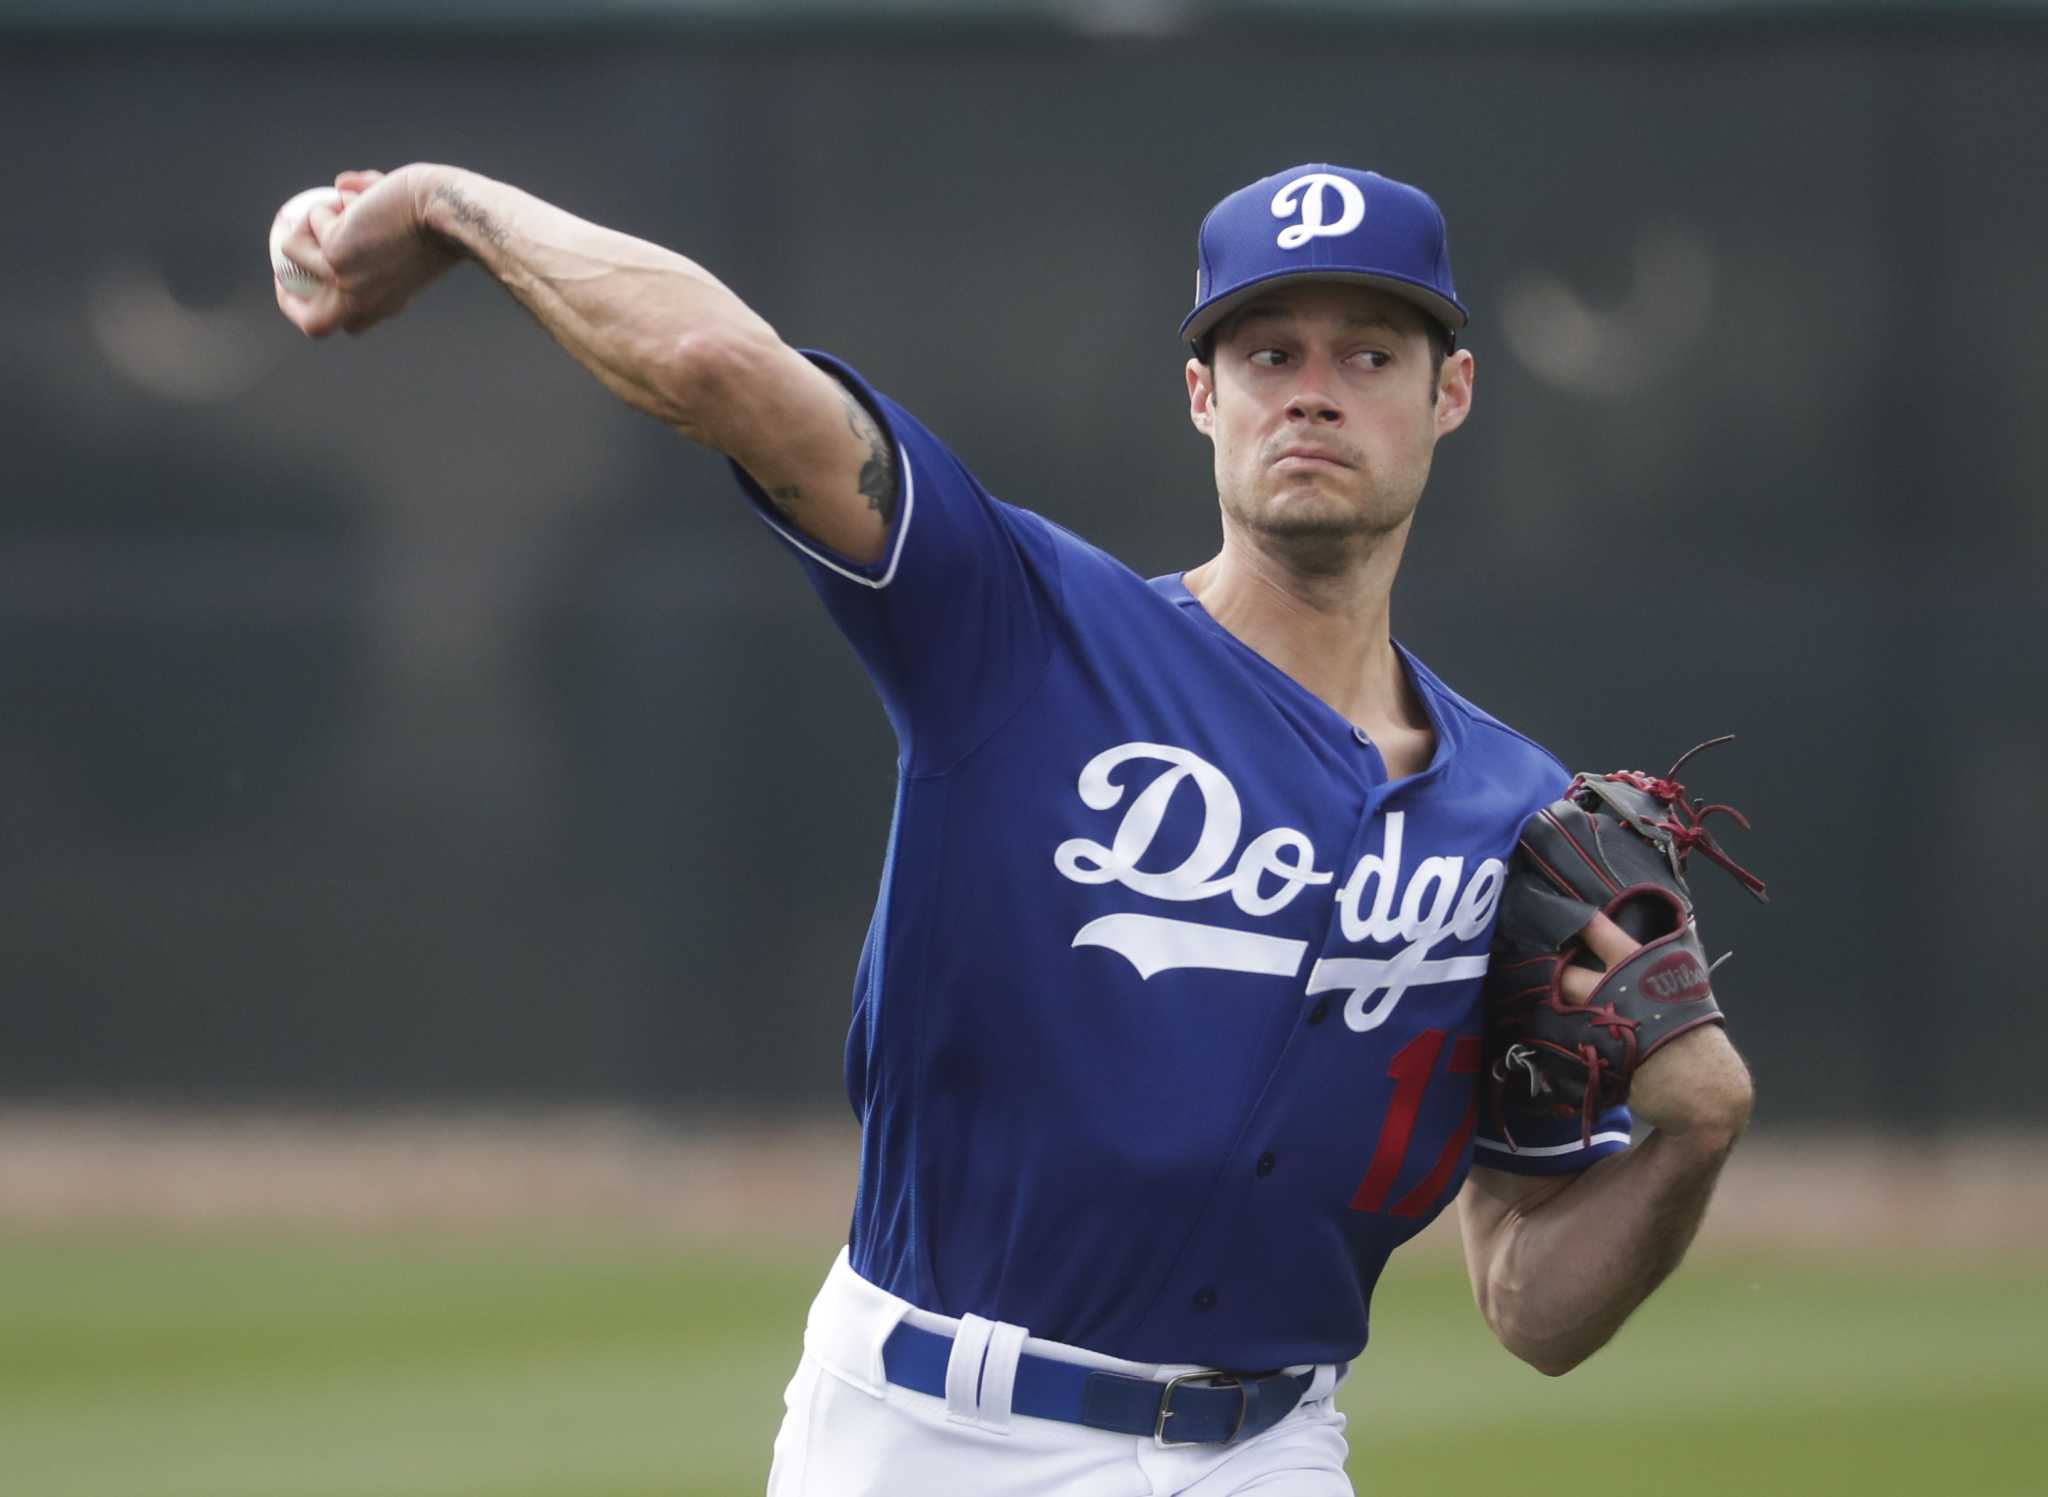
[594, 1304]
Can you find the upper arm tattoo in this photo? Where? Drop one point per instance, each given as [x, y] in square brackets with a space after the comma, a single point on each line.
[877, 482]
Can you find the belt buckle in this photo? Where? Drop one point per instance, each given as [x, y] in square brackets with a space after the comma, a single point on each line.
[1244, 1403]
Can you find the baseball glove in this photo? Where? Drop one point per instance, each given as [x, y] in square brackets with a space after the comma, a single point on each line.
[1616, 845]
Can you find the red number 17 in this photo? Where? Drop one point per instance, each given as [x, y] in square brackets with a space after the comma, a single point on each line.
[1410, 1070]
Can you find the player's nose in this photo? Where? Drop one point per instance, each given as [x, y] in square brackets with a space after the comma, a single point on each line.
[1315, 406]
[1312, 401]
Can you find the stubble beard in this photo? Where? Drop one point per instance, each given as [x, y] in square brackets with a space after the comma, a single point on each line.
[1321, 533]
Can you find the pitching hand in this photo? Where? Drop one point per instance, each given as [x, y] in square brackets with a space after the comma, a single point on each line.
[371, 255]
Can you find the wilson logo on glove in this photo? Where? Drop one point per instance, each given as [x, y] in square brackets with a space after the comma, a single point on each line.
[1677, 979]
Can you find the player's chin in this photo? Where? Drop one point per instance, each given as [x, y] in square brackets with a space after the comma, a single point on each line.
[1307, 511]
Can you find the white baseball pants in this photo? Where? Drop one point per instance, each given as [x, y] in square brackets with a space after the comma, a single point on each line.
[848, 1432]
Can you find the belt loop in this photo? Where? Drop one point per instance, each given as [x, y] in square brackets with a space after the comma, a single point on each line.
[999, 1375]
[963, 1369]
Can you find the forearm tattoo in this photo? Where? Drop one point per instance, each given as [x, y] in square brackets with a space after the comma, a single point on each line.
[877, 481]
[471, 216]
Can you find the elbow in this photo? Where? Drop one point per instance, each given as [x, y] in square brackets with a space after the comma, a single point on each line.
[1554, 1357]
[1532, 1282]
[707, 375]
[1553, 1348]
[1543, 1354]
[1549, 1364]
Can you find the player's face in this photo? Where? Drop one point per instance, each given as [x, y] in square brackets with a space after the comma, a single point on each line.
[1319, 403]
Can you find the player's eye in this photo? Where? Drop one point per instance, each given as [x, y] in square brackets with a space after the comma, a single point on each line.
[1374, 358]
[1270, 358]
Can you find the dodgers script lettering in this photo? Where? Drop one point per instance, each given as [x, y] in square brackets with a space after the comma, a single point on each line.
[1399, 915]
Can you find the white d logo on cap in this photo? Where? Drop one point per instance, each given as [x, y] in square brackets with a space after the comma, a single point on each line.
[1309, 190]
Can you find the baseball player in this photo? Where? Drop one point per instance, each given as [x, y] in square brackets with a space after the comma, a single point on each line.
[1167, 1029]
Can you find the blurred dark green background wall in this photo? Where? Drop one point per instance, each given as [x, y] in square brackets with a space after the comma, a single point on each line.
[401, 719]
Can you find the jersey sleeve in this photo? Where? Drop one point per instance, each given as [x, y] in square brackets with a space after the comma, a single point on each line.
[1546, 1146]
[952, 621]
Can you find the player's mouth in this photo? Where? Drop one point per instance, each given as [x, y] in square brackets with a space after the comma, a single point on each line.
[1309, 457]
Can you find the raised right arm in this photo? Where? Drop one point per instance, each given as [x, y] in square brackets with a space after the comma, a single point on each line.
[657, 330]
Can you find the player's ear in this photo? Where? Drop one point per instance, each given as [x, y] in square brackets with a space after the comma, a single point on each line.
[1454, 392]
[1202, 397]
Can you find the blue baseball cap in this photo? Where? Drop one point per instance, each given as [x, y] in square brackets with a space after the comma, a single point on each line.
[1322, 223]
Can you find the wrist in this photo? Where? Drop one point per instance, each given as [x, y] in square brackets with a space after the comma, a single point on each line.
[439, 196]
[1696, 1087]
[1706, 1141]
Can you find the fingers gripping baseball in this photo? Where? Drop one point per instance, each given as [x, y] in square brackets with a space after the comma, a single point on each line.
[362, 252]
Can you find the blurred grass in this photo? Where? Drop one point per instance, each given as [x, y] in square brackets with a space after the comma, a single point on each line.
[284, 1366]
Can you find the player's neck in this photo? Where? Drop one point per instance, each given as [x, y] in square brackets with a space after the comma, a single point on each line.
[1329, 630]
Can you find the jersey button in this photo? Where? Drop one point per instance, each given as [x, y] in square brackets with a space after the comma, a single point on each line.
[1266, 1163]
[1320, 1012]
[1205, 1299]
[1360, 735]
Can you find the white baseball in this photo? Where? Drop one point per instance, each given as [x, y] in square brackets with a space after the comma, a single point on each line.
[294, 277]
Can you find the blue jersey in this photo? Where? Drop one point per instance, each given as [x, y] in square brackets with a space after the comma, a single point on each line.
[1166, 1029]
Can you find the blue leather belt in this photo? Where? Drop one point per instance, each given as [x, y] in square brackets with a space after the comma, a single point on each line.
[1201, 1408]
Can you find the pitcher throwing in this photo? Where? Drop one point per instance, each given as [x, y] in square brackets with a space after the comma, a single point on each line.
[1168, 1026]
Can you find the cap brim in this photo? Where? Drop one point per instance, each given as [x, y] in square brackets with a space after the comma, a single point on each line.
[1204, 318]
